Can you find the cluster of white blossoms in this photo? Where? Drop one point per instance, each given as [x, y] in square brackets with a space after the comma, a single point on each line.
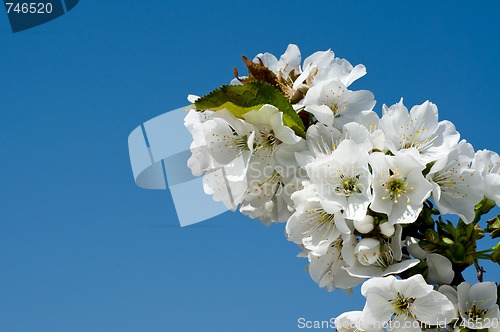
[362, 195]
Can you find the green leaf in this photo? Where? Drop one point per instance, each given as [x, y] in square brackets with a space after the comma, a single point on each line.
[494, 227]
[240, 99]
[447, 229]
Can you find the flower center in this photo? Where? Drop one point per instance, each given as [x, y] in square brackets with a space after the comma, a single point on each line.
[402, 304]
[348, 185]
[396, 187]
[475, 312]
[335, 109]
[241, 142]
[268, 140]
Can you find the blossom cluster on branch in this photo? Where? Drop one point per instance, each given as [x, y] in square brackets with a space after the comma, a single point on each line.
[363, 196]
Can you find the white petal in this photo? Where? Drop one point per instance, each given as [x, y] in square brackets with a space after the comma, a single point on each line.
[322, 113]
[192, 98]
[365, 271]
[440, 269]
[230, 193]
[290, 60]
[378, 310]
[404, 213]
[449, 292]
[463, 296]
[380, 286]
[357, 72]
[267, 59]
[361, 100]
[283, 133]
[261, 116]
[400, 267]
[349, 321]
[484, 291]
[433, 309]
[322, 140]
[414, 248]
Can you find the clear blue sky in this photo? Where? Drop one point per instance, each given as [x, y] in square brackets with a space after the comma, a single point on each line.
[83, 249]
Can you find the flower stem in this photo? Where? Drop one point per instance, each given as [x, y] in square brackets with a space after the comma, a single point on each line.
[480, 271]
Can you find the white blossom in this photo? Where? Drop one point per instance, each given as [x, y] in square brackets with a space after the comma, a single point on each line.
[399, 187]
[487, 163]
[200, 160]
[328, 270]
[456, 188]
[266, 177]
[418, 129]
[367, 251]
[322, 140]
[343, 179]
[222, 147]
[311, 225]
[323, 66]
[404, 303]
[389, 258]
[350, 189]
[477, 305]
[333, 104]
[288, 62]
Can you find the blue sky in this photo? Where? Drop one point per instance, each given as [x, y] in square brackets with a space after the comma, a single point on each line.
[84, 249]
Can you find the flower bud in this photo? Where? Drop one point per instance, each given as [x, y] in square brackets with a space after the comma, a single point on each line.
[387, 229]
[432, 235]
[364, 226]
[367, 251]
[426, 245]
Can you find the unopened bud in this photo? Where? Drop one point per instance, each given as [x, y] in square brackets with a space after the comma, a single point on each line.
[387, 229]
[432, 236]
[426, 245]
[364, 226]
